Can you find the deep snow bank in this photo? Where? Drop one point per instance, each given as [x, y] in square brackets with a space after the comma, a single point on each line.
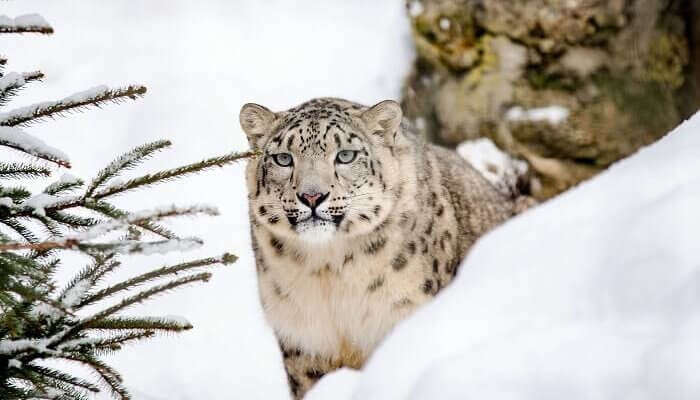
[593, 295]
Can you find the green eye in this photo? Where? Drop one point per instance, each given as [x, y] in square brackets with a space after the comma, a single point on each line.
[283, 159]
[346, 156]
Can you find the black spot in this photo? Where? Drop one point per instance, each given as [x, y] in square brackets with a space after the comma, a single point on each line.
[293, 384]
[277, 245]
[427, 286]
[440, 210]
[429, 229]
[411, 247]
[399, 262]
[364, 217]
[290, 353]
[314, 374]
[377, 209]
[435, 265]
[375, 245]
[273, 219]
[376, 284]
[262, 210]
[348, 258]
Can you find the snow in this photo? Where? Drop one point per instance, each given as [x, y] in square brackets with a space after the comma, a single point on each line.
[30, 111]
[496, 166]
[551, 114]
[11, 80]
[14, 363]
[16, 137]
[27, 21]
[201, 61]
[75, 293]
[444, 23]
[40, 201]
[593, 294]
[6, 202]
[415, 8]
[31, 20]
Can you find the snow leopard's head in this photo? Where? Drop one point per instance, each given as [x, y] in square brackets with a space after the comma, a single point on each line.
[327, 168]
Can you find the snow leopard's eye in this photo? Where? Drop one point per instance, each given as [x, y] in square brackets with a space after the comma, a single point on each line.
[283, 159]
[346, 156]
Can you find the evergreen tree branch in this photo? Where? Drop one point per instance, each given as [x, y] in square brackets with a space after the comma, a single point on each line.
[125, 162]
[10, 83]
[92, 97]
[19, 140]
[63, 377]
[110, 211]
[155, 274]
[175, 173]
[22, 170]
[127, 302]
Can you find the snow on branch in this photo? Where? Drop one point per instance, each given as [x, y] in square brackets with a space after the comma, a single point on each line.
[17, 139]
[76, 102]
[28, 23]
[78, 239]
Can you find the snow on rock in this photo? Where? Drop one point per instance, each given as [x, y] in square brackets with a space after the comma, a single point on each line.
[551, 114]
[6, 202]
[14, 363]
[16, 137]
[415, 8]
[592, 295]
[497, 167]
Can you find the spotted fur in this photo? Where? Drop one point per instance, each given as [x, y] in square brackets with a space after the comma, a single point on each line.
[390, 233]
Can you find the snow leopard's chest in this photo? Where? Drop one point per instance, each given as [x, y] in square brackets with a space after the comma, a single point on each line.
[347, 300]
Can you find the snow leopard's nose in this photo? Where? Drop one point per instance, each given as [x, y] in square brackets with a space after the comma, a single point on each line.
[312, 200]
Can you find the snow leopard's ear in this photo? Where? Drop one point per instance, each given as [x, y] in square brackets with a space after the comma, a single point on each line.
[256, 122]
[383, 119]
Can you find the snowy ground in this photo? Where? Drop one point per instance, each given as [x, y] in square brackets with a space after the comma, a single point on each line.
[593, 295]
[201, 61]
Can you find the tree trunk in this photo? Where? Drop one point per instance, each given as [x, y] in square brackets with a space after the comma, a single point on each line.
[568, 85]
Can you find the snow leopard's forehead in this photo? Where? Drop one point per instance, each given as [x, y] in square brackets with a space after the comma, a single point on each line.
[319, 126]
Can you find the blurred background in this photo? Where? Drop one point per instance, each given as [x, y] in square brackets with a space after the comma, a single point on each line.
[568, 86]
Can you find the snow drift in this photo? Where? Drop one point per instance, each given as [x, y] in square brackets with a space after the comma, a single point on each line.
[593, 295]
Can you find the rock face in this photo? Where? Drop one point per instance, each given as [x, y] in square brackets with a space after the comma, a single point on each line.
[570, 86]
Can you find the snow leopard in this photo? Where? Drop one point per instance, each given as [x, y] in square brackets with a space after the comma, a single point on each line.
[355, 222]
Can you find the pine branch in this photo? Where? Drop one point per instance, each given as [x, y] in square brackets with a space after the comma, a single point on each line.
[28, 23]
[175, 173]
[92, 97]
[11, 83]
[155, 274]
[130, 323]
[63, 377]
[109, 210]
[127, 302]
[110, 377]
[125, 162]
[19, 140]
[21, 171]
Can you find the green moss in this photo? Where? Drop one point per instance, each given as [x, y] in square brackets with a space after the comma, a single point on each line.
[667, 57]
[540, 80]
[648, 102]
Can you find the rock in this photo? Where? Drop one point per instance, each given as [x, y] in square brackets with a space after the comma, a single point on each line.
[621, 70]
